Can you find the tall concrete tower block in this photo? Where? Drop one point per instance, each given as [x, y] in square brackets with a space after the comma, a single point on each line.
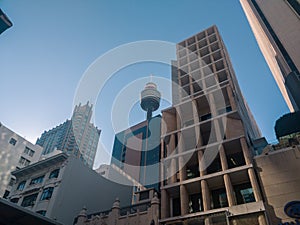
[207, 170]
[275, 25]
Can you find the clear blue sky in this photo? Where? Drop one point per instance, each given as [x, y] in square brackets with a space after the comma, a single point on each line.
[44, 55]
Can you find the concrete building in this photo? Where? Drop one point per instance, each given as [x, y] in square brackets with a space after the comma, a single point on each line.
[207, 162]
[275, 25]
[15, 153]
[77, 136]
[58, 187]
[5, 23]
[136, 151]
[144, 212]
[278, 169]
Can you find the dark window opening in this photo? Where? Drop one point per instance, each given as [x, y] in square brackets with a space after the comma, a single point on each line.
[215, 166]
[29, 200]
[13, 141]
[21, 186]
[235, 160]
[192, 171]
[244, 193]
[37, 180]
[205, 117]
[6, 194]
[54, 174]
[47, 193]
[14, 200]
[144, 195]
[195, 203]
[219, 198]
[176, 207]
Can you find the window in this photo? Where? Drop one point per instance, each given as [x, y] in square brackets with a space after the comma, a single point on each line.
[12, 181]
[144, 195]
[195, 203]
[29, 200]
[13, 141]
[21, 185]
[37, 180]
[244, 193]
[14, 200]
[219, 198]
[295, 4]
[176, 207]
[42, 212]
[54, 174]
[24, 162]
[29, 151]
[47, 193]
[6, 194]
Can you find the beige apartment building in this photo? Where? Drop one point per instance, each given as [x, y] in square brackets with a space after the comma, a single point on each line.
[207, 163]
[275, 24]
[15, 153]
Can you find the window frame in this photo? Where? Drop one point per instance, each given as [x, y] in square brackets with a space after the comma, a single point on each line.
[47, 193]
[21, 185]
[55, 172]
[37, 180]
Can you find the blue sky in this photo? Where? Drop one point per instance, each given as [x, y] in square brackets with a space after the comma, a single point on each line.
[52, 43]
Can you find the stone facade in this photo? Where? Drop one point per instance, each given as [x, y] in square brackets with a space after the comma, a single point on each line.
[145, 212]
[59, 186]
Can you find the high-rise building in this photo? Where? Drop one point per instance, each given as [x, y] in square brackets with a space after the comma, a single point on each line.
[15, 153]
[136, 151]
[275, 25]
[5, 23]
[77, 136]
[207, 170]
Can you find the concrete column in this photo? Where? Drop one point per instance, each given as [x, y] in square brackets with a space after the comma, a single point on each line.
[254, 184]
[164, 209]
[212, 105]
[205, 195]
[246, 152]
[184, 200]
[229, 190]
[162, 165]
[223, 158]
[231, 98]
[181, 161]
[201, 164]
[172, 168]
[262, 220]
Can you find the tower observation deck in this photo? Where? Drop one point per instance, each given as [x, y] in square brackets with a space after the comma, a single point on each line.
[150, 99]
